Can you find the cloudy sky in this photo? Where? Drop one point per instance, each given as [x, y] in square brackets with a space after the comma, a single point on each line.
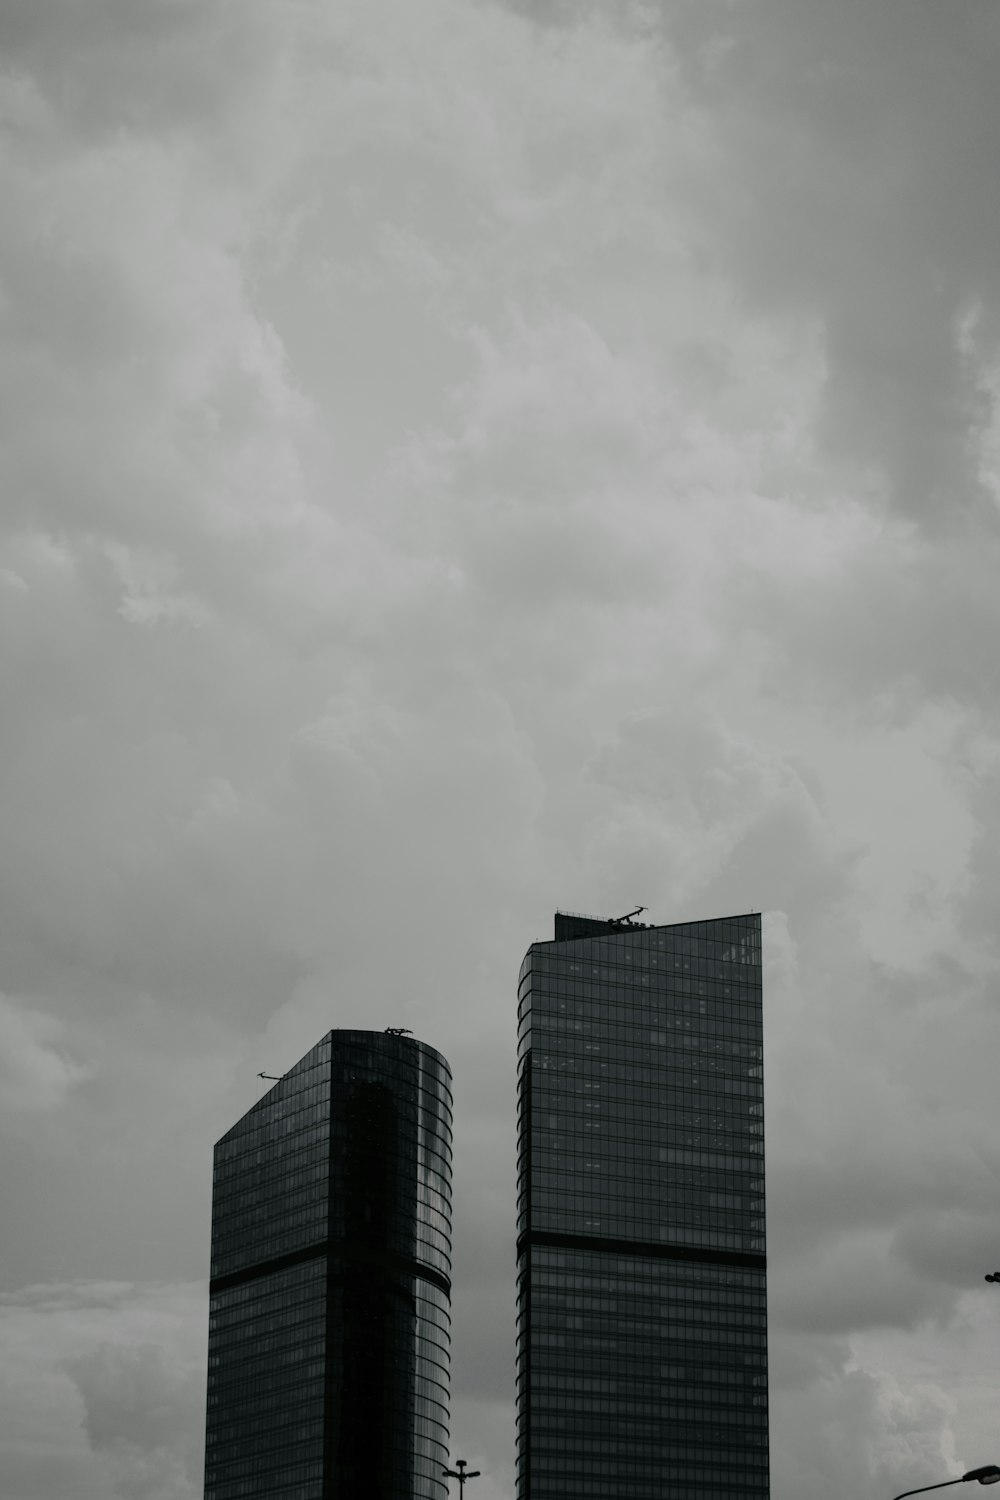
[460, 459]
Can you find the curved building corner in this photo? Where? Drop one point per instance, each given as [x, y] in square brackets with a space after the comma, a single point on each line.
[331, 1279]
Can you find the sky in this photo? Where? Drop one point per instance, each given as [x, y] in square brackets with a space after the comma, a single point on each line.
[460, 460]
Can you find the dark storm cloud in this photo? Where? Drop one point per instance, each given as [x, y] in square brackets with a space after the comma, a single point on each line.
[159, 65]
[863, 138]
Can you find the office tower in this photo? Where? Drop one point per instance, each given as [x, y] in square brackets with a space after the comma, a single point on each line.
[331, 1237]
[642, 1325]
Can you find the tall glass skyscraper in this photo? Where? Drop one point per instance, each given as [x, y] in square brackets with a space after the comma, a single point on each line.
[329, 1327]
[642, 1321]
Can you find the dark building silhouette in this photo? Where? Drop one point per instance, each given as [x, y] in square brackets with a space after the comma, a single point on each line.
[642, 1324]
[331, 1261]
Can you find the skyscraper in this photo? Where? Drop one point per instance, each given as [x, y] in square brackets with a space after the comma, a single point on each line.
[331, 1260]
[642, 1324]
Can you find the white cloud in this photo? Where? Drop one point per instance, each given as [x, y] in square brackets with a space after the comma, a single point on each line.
[103, 1391]
[37, 1073]
[141, 1412]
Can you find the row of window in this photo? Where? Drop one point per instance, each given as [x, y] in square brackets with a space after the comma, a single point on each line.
[549, 1306]
[621, 1012]
[268, 1313]
[233, 1349]
[648, 1213]
[408, 1104]
[649, 1059]
[631, 1151]
[661, 1044]
[261, 1129]
[717, 1170]
[371, 1064]
[262, 1331]
[298, 1112]
[289, 1176]
[637, 1034]
[637, 960]
[601, 1134]
[268, 1464]
[296, 1153]
[608, 1225]
[287, 1172]
[268, 1444]
[603, 1020]
[268, 1220]
[650, 1341]
[295, 1282]
[741, 1346]
[305, 1090]
[638, 1267]
[680, 1425]
[685, 1050]
[713, 1378]
[638, 1317]
[631, 1175]
[560, 1104]
[631, 968]
[264, 1150]
[643, 1157]
[238, 1249]
[730, 1098]
[686, 1204]
[703, 1149]
[558, 1097]
[730, 1435]
[644, 1300]
[642, 1349]
[299, 1483]
[622, 1467]
[645, 1202]
[636, 1391]
[307, 1424]
[557, 1487]
[742, 1366]
[588, 1010]
[553, 1090]
[284, 1359]
[630, 990]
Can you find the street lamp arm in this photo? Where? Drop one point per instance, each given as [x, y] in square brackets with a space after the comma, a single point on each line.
[988, 1474]
[925, 1487]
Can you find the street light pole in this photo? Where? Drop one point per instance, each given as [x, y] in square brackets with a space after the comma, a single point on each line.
[988, 1474]
[460, 1474]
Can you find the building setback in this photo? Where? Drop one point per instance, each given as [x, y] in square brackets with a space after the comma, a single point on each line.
[642, 1323]
[331, 1262]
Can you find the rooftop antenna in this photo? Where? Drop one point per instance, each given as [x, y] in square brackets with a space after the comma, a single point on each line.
[398, 1031]
[627, 918]
[274, 1077]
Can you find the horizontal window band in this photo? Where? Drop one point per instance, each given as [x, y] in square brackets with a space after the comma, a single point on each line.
[335, 1249]
[550, 1240]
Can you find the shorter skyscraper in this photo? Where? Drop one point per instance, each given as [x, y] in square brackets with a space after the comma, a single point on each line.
[329, 1328]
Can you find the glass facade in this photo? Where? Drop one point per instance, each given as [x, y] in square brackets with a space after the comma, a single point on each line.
[642, 1317]
[329, 1326]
